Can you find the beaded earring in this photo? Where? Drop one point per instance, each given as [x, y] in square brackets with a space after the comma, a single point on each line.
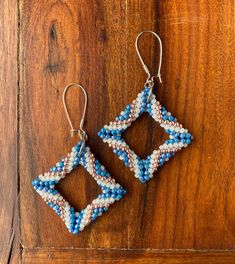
[179, 137]
[45, 184]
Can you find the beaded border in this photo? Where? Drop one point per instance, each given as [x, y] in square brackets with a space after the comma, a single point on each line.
[179, 137]
[76, 221]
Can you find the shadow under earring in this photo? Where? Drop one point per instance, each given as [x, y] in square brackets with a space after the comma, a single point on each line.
[45, 184]
[179, 137]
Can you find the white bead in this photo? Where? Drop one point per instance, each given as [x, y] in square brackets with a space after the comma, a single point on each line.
[74, 149]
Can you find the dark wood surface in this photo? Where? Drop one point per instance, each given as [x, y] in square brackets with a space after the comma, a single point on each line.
[9, 225]
[186, 213]
[82, 256]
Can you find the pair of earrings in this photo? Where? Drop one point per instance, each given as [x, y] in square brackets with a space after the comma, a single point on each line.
[81, 154]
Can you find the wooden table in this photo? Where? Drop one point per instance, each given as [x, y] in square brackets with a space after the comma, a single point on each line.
[186, 214]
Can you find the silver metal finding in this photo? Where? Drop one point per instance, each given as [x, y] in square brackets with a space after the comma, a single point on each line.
[150, 79]
[82, 134]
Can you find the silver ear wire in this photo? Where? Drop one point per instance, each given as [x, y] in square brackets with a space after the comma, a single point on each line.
[150, 79]
[82, 134]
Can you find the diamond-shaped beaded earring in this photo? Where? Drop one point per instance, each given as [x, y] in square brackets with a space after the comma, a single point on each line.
[45, 184]
[179, 137]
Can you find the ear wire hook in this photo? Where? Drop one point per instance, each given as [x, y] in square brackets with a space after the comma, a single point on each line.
[150, 79]
[82, 134]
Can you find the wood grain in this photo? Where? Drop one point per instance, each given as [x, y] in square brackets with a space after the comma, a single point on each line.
[190, 202]
[9, 226]
[82, 256]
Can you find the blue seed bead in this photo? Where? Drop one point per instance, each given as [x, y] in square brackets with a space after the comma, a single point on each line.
[72, 221]
[119, 197]
[188, 140]
[113, 195]
[33, 182]
[188, 135]
[176, 140]
[119, 191]
[168, 155]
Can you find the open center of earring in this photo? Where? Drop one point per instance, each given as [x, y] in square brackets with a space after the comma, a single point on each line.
[144, 135]
[86, 188]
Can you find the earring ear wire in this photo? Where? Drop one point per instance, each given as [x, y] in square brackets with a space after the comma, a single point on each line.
[150, 78]
[81, 132]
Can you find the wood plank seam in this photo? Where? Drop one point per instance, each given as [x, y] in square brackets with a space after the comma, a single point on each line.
[173, 250]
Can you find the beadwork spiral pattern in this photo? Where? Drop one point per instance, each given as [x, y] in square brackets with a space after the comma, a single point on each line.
[76, 221]
[179, 137]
